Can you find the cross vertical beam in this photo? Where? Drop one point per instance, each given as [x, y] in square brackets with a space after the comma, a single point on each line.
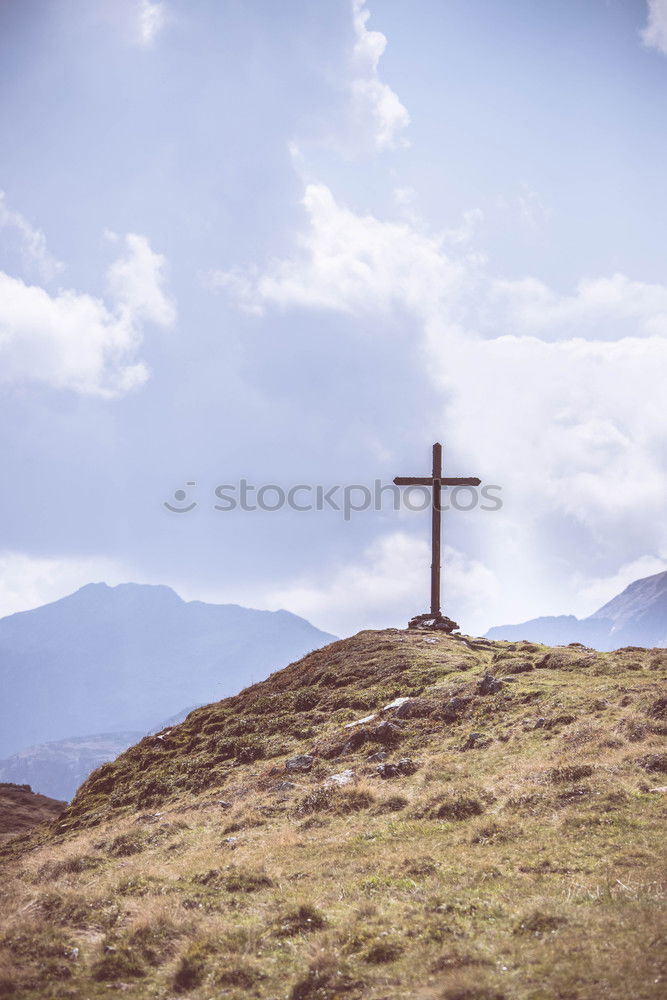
[435, 530]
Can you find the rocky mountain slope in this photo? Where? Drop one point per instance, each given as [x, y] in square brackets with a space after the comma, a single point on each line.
[636, 617]
[111, 659]
[21, 809]
[397, 815]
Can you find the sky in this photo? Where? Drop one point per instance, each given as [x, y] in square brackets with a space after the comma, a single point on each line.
[295, 244]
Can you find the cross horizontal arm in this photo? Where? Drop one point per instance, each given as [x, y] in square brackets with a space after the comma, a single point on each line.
[413, 481]
[428, 481]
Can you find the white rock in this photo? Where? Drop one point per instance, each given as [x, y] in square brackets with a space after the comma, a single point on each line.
[344, 778]
[360, 722]
[396, 703]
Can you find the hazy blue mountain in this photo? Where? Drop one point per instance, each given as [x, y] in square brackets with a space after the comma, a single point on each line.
[636, 617]
[57, 769]
[115, 659]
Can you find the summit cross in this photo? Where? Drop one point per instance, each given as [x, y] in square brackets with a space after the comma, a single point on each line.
[436, 481]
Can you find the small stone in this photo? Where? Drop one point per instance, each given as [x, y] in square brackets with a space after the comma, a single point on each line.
[489, 685]
[360, 722]
[343, 778]
[415, 708]
[223, 804]
[476, 741]
[388, 770]
[660, 789]
[430, 640]
[230, 840]
[396, 703]
[405, 767]
[302, 762]
[284, 786]
[376, 758]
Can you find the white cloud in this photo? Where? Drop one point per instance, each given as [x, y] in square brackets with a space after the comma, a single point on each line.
[575, 425]
[655, 33]
[377, 109]
[31, 241]
[136, 283]
[72, 340]
[600, 308]
[350, 263]
[151, 19]
[388, 583]
[29, 581]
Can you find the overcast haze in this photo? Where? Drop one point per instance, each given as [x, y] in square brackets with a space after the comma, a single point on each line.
[299, 243]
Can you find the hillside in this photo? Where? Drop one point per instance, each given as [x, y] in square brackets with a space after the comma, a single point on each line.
[21, 809]
[112, 659]
[397, 815]
[636, 617]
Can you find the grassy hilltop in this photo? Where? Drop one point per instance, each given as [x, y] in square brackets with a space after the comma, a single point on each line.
[495, 834]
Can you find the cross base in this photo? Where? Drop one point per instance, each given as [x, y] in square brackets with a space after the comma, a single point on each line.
[437, 623]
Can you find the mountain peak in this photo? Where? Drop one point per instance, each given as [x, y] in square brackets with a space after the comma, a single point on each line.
[118, 658]
[635, 617]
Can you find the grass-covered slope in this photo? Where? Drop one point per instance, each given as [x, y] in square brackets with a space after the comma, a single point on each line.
[496, 835]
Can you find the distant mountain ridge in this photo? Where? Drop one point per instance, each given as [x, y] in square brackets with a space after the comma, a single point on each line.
[58, 768]
[116, 659]
[635, 617]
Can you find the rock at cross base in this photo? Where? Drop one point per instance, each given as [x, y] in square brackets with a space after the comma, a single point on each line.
[436, 623]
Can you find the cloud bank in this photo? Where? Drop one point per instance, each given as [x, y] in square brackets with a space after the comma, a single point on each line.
[74, 341]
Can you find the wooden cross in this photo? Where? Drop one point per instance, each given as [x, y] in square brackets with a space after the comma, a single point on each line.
[436, 481]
